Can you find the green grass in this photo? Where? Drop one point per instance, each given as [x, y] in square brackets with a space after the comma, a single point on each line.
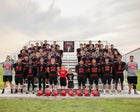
[69, 105]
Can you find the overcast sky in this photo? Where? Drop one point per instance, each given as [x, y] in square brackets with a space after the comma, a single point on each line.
[117, 21]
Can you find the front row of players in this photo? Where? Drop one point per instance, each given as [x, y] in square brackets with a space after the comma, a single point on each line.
[45, 74]
[106, 71]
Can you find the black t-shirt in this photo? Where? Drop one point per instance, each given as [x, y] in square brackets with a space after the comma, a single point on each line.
[42, 67]
[94, 69]
[106, 69]
[18, 68]
[30, 70]
[53, 69]
[70, 77]
[87, 60]
[119, 67]
[81, 69]
[25, 63]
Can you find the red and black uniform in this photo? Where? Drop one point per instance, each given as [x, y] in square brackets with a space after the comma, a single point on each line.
[30, 76]
[18, 73]
[60, 52]
[53, 69]
[25, 62]
[107, 71]
[113, 70]
[94, 73]
[34, 61]
[81, 71]
[63, 74]
[101, 61]
[119, 68]
[87, 60]
[41, 74]
[70, 78]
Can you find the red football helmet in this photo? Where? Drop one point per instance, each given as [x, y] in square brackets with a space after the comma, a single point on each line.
[95, 93]
[86, 93]
[71, 93]
[63, 93]
[55, 93]
[40, 92]
[48, 93]
[79, 93]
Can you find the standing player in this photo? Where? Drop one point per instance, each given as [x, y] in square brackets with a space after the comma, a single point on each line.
[53, 74]
[94, 72]
[7, 65]
[63, 73]
[41, 69]
[18, 67]
[30, 76]
[119, 68]
[87, 60]
[107, 71]
[25, 62]
[132, 68]
[81, 71]
[70, 77]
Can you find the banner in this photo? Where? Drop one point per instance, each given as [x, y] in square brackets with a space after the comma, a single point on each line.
[68, 46]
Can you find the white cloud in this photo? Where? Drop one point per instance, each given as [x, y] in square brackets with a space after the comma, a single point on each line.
[114, 21]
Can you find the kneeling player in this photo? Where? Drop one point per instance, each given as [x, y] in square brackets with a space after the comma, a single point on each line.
[18, 67]
[53, 70]
[42, 73]
[119, 68]
[94, 71]
[81, 74]
[107, 70]
[30, 76]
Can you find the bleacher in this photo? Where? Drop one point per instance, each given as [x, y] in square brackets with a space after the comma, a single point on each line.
[69, 59]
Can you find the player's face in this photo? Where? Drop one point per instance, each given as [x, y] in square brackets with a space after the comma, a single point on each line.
[63, 67]
[26, 57]
[52, 60]
[41, 60]
[19, 61]
[30, 62]
[8, 58]
[107, 60]
[119, 58]
[81, 62]
[131, 59]
[70, 70]
[93, 61]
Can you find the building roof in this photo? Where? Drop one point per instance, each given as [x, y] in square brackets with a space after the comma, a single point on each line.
[133, 51]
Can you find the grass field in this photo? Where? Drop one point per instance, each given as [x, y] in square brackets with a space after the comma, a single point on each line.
[69, 105]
